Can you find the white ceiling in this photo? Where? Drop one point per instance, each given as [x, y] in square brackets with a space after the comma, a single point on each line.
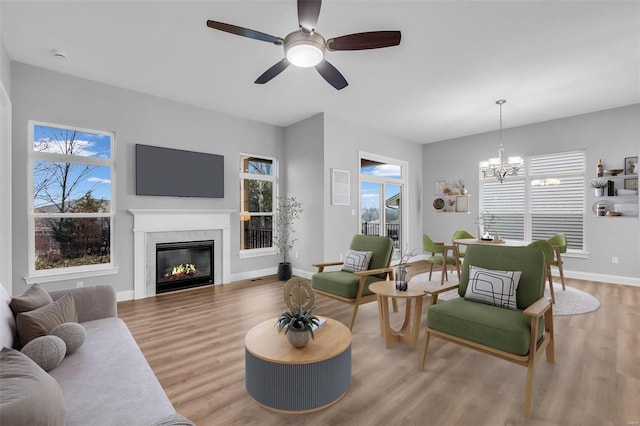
[549, 59]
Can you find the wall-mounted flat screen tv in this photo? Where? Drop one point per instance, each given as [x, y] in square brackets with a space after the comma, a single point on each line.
[177, 173]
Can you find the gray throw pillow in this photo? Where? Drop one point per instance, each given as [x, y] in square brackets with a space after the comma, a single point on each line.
[46, 351]
[72, 333]
[28, 395]
[356, 261]
[34, 298]
[41, 321]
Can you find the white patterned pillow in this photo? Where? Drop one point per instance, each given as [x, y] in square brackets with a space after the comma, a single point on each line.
[356, 261]
[496, 288]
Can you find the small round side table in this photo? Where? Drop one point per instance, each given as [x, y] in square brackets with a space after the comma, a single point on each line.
[409, 333]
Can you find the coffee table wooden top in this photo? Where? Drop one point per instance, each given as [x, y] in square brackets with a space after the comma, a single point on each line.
[388, 289]
[265, 342]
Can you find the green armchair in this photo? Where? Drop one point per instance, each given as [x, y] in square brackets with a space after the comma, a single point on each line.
[353, 287]
[519, 332]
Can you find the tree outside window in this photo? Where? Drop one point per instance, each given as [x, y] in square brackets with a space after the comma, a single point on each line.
[257, 181]
[72, 193]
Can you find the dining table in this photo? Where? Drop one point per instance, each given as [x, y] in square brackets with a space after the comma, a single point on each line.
[499, 242]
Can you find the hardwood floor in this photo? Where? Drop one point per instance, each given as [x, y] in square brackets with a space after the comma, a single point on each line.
[194, 341]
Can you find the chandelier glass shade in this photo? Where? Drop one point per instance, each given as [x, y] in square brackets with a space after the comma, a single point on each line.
[497, 166]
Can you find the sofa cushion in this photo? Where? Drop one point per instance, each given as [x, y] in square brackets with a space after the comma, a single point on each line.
[496, 288]
[356, 261]
[108, 381]
[34, 298]
[72, 333]
[7, 320]
[46, 351]
[41, 321]
[28, 395]
[500, 328]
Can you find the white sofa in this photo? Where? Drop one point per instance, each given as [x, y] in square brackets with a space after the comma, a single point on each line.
[107, 380]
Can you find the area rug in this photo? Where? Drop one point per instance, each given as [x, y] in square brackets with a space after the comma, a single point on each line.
[568, 302]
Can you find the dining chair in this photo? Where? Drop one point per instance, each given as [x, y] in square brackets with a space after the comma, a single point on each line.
[439, 256]
[459, 235]
[547, 249]
[559, 243]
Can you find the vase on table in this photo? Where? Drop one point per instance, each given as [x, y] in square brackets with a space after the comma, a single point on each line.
[401, 278]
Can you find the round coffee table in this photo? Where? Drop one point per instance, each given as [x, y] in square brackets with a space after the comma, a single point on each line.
[409, 333]
[285, 379]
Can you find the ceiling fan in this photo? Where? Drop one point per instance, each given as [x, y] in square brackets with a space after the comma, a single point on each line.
[306, 48]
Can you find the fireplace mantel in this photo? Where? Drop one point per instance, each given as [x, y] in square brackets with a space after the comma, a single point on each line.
[146, 221]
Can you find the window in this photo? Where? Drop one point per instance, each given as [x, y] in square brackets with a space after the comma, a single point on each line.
[547, 199]
[381, 199]
[257, 184]
[71, 214]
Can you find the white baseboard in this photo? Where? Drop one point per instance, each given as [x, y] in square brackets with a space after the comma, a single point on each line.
[578, 275]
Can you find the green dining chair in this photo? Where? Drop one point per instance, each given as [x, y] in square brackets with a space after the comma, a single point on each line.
[547, 249]
[458, 235]
[439, 252]
[559, 244]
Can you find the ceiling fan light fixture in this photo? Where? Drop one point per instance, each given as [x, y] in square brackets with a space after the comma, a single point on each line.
[304, 50]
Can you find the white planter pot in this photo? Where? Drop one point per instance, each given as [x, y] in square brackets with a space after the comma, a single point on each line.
[599, 192]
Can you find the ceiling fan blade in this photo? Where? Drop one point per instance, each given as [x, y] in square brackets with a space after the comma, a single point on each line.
[308, 12]
[332, 75]
[361, 41]
[244, 32]
[272, 72]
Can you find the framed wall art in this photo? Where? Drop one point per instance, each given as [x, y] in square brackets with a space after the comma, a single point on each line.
[630, 167]
[340, 187]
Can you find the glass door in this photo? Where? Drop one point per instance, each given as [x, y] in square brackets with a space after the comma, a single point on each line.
[381, 196]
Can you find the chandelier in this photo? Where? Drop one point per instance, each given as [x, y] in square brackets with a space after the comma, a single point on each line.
[496, 166]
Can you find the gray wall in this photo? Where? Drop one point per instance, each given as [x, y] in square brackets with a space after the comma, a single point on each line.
[343, 142]
[5, 166]
[611, 135]
[47, 96]
[303, 177]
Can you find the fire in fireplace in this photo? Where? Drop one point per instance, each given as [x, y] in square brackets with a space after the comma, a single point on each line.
[183, 265]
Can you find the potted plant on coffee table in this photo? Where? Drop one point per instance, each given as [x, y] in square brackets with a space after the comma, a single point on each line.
[298, 325]
[288, 210]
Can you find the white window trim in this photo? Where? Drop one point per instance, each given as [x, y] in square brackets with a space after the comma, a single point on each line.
[275, 178]
[76, 272]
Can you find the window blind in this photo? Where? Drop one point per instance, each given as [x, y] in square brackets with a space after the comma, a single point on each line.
[548, 200]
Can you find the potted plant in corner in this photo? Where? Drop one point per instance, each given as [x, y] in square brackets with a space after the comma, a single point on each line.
[598, 185]
[287, 211]
[298, 325]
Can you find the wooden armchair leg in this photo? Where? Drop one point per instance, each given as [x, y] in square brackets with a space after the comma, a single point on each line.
[529, 387]
[423, 355]
[353, 316]
[548, 325]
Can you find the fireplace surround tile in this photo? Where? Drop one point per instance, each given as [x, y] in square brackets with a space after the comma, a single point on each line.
[151, 227]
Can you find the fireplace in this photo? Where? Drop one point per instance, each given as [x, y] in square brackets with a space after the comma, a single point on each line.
[152, 227]
[181, 265]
